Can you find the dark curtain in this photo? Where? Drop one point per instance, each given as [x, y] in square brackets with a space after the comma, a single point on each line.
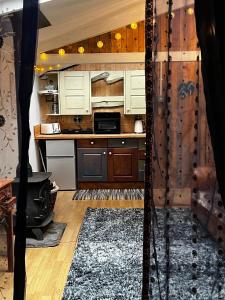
[210, 23]
[26, 54]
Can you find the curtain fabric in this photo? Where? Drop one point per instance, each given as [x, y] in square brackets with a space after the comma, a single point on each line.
[210, 25]
[25, 85]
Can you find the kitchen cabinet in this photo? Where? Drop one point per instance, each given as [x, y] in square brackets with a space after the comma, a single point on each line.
[122, 164]
[60, 158]
[107, 160]
[92, 164]
[74, 93]
[92, 160]
[135, 92]
[49, 94]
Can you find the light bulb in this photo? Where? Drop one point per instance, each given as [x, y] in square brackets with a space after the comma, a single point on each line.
[133, 25]
[50, 68]
[81, 50]
[43, 56]
[118, 36]
[58, 65]
[190, 11]
[61, 52]
[100, 44]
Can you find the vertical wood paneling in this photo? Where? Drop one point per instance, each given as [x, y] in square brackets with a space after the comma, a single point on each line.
[183, 37]
[141, 36]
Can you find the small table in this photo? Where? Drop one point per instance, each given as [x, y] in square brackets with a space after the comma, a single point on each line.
[6, 208]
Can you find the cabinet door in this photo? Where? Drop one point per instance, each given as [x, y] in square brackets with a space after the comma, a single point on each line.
[122, 164]
[92, 164]
[75, 93]
[135, 92]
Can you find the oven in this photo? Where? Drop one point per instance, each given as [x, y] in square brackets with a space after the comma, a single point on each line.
[106, 122]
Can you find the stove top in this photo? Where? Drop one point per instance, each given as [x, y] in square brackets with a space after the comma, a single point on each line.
[77, 131]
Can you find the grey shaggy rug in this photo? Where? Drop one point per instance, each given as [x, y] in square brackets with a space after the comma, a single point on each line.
[109, 194]
[108, 261]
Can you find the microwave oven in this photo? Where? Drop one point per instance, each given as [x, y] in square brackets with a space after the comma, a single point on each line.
[106, 122]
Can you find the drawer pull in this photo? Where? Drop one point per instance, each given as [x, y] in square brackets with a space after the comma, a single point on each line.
[92, 143]
[110, 153]
[104, 153]
[123, 142]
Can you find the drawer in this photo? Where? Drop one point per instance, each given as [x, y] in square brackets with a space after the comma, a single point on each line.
[60, 148]
[141, 154]
[5, 193]
[123, 143]
[141, 144]
[92, 143]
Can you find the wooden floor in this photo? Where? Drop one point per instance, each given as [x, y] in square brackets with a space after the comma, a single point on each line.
[47, 268]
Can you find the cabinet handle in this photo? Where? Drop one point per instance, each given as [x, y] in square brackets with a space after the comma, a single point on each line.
[104, 153]
[123, 142]
[92, 143]
[110, 153]
[128, 109]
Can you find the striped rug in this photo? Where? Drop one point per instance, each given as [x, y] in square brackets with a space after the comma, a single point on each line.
[109, 194]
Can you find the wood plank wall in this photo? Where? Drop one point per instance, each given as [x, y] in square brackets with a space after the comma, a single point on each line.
[182, 110]
[183, 38]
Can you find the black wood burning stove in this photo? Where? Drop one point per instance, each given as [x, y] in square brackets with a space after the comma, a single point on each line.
[39, 211]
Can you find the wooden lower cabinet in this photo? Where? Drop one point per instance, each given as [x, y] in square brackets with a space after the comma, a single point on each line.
[92, 164]
[122, 164]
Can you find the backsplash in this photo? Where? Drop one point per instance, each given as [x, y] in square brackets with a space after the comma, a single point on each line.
[67, 122]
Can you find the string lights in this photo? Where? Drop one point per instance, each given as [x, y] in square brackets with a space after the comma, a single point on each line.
[43, 56]
[100, 44]
[81, 50]
[133, 25]
[62, 52]
[118, 36]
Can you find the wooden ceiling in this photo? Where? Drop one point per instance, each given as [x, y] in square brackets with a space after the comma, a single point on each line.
[76, 20]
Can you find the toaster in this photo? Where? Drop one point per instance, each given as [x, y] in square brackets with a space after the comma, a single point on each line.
[50, 128]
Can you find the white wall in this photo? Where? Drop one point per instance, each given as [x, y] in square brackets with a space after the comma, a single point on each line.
[35, 118]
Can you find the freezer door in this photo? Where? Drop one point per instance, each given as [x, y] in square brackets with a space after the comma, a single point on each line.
[63, 171]
[60, 148]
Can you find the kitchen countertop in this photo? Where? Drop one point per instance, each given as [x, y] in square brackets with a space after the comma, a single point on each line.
[88, 136]
[39, 136]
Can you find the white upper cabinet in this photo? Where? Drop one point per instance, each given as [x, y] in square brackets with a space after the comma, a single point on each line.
[75, 93]
[135, 92]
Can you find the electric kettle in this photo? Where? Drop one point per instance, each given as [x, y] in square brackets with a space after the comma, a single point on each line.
[138, 126]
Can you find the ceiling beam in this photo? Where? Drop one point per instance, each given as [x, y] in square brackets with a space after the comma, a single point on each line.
[113, 58]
